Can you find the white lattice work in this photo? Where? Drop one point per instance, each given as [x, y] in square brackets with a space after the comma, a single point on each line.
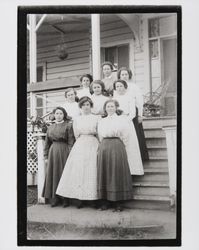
[32, 162]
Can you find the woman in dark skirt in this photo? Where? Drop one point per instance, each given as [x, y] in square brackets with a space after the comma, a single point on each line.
[114, 178]
[58, 143]
[126, 75]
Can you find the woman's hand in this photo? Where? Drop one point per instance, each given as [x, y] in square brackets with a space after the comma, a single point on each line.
[46, 161]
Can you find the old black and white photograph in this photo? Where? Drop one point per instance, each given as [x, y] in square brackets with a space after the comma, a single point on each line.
[102, 123]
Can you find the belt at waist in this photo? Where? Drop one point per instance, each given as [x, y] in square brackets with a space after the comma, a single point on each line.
[112, 137]
[58, 141]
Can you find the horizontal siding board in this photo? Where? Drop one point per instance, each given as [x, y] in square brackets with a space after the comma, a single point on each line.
[67, 74]
[69, 45]
[112, 25]
[67, 68]
[67, 62]
[70, 50]
[49, 40]
[107, 18]
[116, 31]
[116, 38]
[74, 55]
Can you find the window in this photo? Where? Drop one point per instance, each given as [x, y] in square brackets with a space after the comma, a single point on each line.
[117, 55]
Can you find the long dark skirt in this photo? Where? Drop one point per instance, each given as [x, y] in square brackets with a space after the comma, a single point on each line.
[57, 157]
[141, 139]
[114, 178]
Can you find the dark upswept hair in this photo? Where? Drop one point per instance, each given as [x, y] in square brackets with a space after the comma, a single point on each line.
[121, 81]
[107, 63]
[101, 83]
[87, 76]
[75, 92]
[126, 69]
[66, 117]
[84, 99]
[118, 111]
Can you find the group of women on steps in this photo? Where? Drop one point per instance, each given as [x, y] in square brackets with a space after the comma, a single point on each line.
[96, 142]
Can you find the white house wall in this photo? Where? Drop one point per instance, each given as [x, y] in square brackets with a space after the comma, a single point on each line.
[113, 30]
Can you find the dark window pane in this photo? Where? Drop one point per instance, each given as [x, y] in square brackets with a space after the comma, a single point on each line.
[110, 55]
[40, 111]
[123, 56]
[40, 74]
[39, 102]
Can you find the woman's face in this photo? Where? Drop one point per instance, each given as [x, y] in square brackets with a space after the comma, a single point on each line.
[124, 75]
[106, 70]
[110, 108]
[97, 89]
[86, 108]
[59, 115]
[70, 96]
[85, 82]
[120, 89]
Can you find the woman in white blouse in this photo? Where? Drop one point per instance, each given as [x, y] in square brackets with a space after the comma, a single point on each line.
[79, 178]
[71, 106]
[127, 105]
[114, 178]
[85, 80]
[97, 89]
[135, 92]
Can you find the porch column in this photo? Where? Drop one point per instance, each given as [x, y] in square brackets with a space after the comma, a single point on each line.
[41, 166]
[95, 23]
[32, 60]
[170, 132]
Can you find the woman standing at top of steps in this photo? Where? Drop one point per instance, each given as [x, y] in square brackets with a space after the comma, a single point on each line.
[127, 105]
[108, 77]
[135, 92]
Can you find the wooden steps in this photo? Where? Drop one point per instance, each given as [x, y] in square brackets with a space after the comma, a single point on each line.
[151, 191]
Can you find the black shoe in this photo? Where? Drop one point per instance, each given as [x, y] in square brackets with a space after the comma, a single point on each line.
[54, 202]
[104, 207]
[66, 202]
[80, 204]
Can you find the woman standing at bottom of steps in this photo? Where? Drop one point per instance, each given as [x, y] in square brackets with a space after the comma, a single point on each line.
[114, 178]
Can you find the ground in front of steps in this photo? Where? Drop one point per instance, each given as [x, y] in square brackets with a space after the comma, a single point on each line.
[46, 223]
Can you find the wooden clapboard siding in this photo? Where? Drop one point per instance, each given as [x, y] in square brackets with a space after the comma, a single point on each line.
[75, 55]
[77, 62]
[45, 55]
[67, 74]
[67, 68]
[139, 70]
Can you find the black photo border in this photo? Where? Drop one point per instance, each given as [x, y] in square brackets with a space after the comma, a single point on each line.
[23, 11]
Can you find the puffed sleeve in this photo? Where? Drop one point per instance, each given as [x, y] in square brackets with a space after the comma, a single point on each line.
[47, 145]
[71, 137]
